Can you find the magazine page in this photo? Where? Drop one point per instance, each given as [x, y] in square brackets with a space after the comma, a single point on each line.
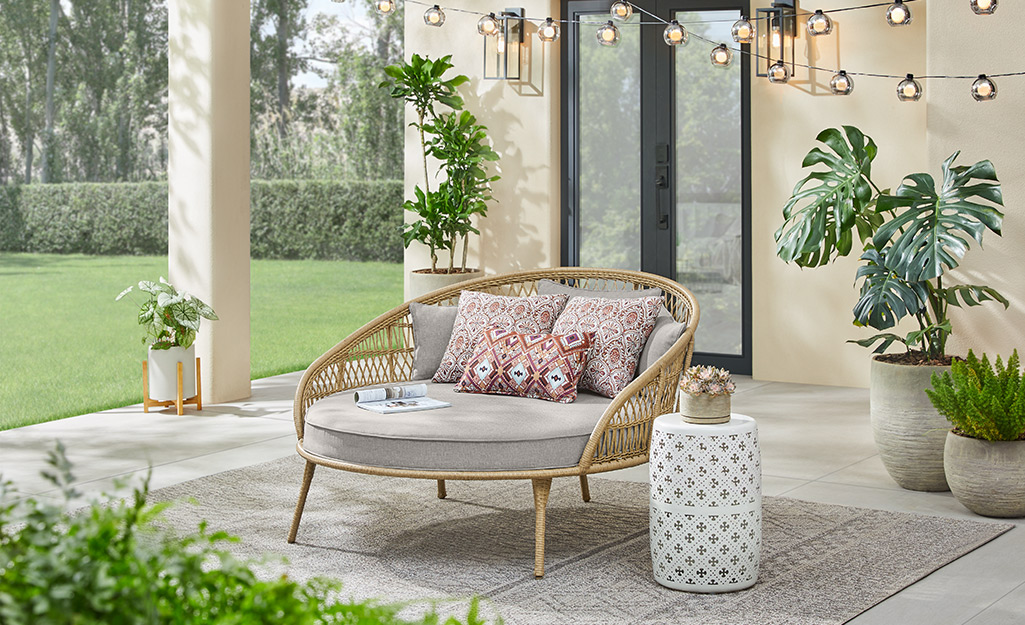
[390, 406]
[404, 391]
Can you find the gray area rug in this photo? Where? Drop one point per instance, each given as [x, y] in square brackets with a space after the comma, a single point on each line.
[392, 539]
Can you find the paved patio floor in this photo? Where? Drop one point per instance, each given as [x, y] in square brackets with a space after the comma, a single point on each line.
[816, 445]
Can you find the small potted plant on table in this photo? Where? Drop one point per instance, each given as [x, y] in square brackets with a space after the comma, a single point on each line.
[984, 455]
[171, 319]
[705, 395]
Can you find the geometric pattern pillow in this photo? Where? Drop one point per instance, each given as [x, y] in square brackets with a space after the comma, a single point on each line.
[621, 327]
[540, 366]
[480, 311]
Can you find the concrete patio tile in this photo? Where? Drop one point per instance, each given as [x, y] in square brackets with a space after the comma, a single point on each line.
[868, 472]
[1008, 610]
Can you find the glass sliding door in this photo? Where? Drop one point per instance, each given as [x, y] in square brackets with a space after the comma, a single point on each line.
[655, 159]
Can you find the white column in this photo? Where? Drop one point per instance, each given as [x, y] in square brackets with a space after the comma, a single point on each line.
[208, 176]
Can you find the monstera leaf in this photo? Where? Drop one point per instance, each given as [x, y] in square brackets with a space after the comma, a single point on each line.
[827, 206]
[885, 297]
[932, 233]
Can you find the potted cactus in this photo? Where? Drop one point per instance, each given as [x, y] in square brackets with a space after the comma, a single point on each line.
[984, 455]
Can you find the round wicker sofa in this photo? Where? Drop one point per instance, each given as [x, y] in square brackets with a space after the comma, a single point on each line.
[381, 352]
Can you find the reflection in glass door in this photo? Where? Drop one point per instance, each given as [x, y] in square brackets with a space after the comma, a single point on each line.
[655, 142]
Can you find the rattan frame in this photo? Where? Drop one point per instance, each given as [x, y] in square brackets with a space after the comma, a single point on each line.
[381, 352]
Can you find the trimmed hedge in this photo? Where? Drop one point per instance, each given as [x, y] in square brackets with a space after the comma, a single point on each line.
[291, 219]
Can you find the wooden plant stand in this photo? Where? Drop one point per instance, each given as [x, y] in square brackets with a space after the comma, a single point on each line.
[179, 402]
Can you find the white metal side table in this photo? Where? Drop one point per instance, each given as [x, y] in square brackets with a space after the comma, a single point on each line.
[706, 504]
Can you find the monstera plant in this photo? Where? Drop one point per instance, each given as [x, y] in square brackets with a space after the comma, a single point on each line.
[909, 240]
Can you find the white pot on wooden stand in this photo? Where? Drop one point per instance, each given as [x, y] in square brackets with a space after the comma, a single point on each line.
[171, 377]
[421, 283]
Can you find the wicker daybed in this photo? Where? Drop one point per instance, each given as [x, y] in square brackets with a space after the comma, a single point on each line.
[381, 352]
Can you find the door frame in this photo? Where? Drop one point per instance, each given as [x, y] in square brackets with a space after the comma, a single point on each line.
[657, 120]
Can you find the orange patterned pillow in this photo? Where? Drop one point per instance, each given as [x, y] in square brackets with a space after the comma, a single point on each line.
[621, 328]
[541, 366]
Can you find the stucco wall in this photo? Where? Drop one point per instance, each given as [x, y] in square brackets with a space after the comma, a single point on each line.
[522, 227]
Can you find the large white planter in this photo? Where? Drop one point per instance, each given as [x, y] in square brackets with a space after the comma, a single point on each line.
[908, 431]
[424, 283]
[987, 477]
[163, 372]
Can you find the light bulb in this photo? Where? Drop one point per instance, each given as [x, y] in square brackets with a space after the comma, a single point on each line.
[841, 83]
[721, 56]
[819, 24]
[777, 37]
[984, 89]
[621, 11]
[908, 90]
[898, 14]
[608, 34]
[384, 7]
[675, 35]
[779, 72]
[488, 25]
[549, 31]
[743, 31]
[984, 7]
[434, 16]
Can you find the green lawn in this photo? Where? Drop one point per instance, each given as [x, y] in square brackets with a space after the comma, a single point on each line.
[67, 348]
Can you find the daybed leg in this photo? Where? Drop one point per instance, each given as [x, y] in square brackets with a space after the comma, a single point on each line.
[542, 486]
[307, 478]
[442, 493]
[585, 491]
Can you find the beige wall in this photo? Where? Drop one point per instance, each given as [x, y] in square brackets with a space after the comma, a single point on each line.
[208, 176]
[522, 227]
[961, 43]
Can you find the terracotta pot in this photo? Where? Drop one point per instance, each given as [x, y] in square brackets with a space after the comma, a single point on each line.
[162, 369]
[424, 283]
[704, 409]
[987, 477]
[908, 431]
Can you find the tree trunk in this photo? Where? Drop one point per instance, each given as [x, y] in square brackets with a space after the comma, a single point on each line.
[51, 71]
[283, 35]
[423, 150]
[30, 136]
[466, 245]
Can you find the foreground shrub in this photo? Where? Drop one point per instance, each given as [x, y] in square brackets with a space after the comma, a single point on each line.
[114, 564]
[981, 400]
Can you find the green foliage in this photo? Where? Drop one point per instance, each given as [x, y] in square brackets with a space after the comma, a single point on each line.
[982, 401]
[116, 564]
[420, 83]
[171, 317]
[911, 238]
[12, 224]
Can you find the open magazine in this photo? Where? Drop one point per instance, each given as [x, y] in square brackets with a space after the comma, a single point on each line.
[404, 398]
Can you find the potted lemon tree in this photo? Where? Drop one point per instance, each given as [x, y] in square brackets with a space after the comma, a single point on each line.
[910, 239]
[171, 319]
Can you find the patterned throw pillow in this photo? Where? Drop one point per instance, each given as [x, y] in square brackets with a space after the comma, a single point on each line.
[621, 328]
[542, 366]
[479, 311]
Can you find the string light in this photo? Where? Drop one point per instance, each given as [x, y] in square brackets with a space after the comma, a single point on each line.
[819, 24]
[984, 89]
[898, 14]
[621, 11]
[984, 7]
[608, 34]
[675, 35]
[721, 56]
[384, 7]
[548, 31]
[841, 83]
[779, 73]
[908, 90]
[743, 31]
[434, 16]
[488, 25]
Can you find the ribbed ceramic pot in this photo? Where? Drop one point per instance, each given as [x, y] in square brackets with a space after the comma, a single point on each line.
[424, 283]
[987, 477]
[908, 431]
[162, 371]
[704, 408]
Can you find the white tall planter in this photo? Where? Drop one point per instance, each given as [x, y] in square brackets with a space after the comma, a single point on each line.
[424, 283]
[163, 372]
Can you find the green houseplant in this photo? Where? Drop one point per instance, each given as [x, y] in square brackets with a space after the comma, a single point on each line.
[984, 454]
[909, 240]
[459, 143]
[171, 319]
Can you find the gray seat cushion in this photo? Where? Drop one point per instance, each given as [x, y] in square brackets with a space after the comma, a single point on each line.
[477, 433]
